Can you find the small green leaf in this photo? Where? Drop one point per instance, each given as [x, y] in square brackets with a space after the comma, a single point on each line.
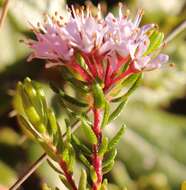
[104, 185]
[156, 40]
[54, 167]
[81, 146]
[91, 137]
[59, 140]
[31, 91]
[130, 90]
[110, 157]
[65, 155]
[108, 168]
[106, 115]
[72, 158]
[93, 174]
[130, 79]
[117, 111]
[103, 147]
[99, 97]
[32, 115]
[115, 140]
[45, 187]
[83, 180]
[84, 160]
[79, 85]
[72, 100]
[24, 123]
[65, 182]
[52, 122]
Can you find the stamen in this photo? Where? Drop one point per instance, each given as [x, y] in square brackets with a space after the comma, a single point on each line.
[139, 16]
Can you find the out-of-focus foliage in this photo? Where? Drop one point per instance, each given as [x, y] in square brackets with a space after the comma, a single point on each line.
[152, 153]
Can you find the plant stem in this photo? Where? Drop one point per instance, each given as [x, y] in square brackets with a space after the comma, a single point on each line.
[180, 28]
[96, 159]
[4, 12]
[67, 174]
[29, 172]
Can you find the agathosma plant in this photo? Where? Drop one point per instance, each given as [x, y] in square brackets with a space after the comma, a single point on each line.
[99, 58]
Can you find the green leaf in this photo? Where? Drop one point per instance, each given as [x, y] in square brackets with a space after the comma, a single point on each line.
[54, 167]
[103, 146]
[71, 159]
[99, 97]
[124, 97]
[52, 122]
[59, 139]
[72, 100]
[117, 111]
[65, 182]
[83, 180]
[156, 40]
[115, 140]
[91, 137]
[108, 168]
[81, 146]
[130, 79]
[106, 115]
[32, 115]
[110, 157]
[45, 187]
[24, 123]
[104, 185]
[93, 174]
[84, 160]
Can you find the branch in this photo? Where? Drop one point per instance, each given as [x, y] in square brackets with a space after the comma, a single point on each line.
[4, 12]
[176, 31]
[29, 172]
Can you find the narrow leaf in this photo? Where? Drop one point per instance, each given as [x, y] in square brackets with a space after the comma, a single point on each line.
[83, 180]
[117, 111]
[24, 123]
[103, 147]
[104, 185]
[72, 100]
[52, 122]
[65, 182]
[91, 137]
[108, 168]
[156, 40]
[110, 157]
[99, 97]
[84, 160]
[115, 140]
[130, 90]
[81, 146]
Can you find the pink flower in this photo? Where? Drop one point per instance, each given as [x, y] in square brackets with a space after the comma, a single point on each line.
[105, 45]
[51, 43]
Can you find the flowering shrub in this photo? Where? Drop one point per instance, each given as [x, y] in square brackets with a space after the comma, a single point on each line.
[99, 57]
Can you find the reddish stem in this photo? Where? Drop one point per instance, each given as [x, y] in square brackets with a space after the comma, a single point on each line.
[121, 76]
[96, 159]
[67, 174]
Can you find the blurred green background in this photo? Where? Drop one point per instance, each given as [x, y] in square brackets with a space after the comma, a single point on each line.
[152, 153]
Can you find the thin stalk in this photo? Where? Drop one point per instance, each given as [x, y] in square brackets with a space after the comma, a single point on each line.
[68, 174]
[96, 159]
[18, 183]
[4, 12]
[175, 32]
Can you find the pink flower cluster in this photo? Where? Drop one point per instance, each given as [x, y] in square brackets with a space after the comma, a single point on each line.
[105, 44]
